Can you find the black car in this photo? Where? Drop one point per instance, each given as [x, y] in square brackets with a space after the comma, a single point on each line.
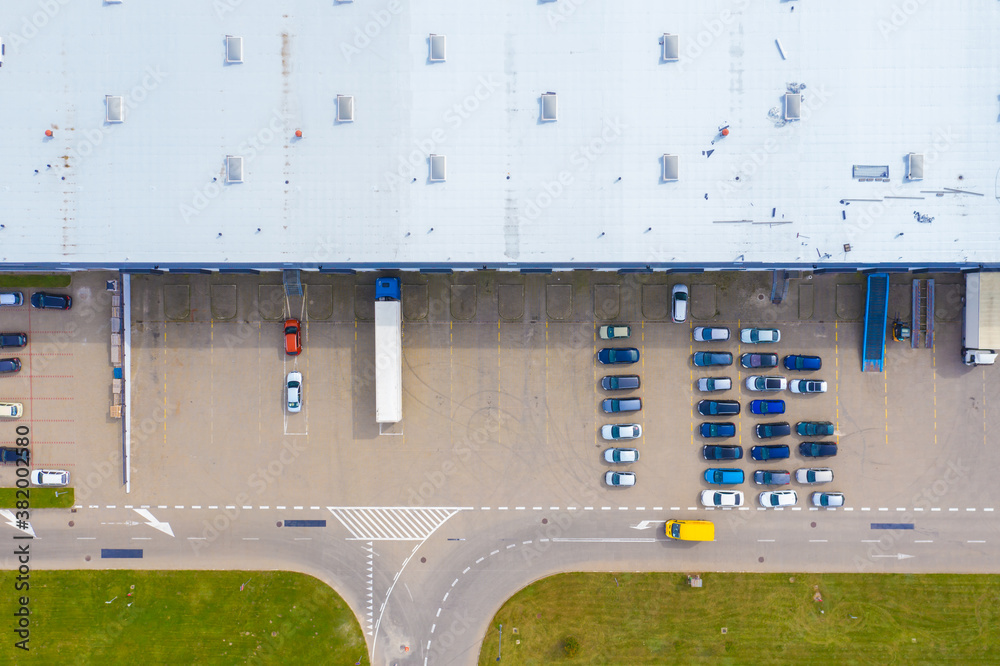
[13, 340]
[772, 477]
[620, 382]
[800, 362]
[818, 449]
[10, 365]
[759, 360]
[718, 430]
[713, 452]
[703, 359]
[10, 455]
[814, 428]
[45, 301]
[718, 407]
[769, 430]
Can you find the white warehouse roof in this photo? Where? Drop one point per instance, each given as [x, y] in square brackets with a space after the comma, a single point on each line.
[877, 83]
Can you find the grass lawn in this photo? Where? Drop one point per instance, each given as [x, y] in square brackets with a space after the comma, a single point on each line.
[768, 618]
[36, 280]
[39, 498]
[181, 617]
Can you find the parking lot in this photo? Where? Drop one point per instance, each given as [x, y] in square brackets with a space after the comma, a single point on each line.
[502, 399]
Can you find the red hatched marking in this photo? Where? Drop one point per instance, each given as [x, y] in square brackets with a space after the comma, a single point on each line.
[52, 421]
[50, 376]
[34, 442]
[52, 354]
[30, 398]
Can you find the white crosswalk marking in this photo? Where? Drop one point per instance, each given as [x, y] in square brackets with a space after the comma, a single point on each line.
[392, 523]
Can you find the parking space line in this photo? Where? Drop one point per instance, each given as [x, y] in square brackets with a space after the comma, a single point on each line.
[586, 508]
[765, 540]
[314, 508]
[251, 538]
[848, 508]
[953, 509]
[262, 507]
[521, 508]
[536, 508]
[970, 509]
[501, 508]
[86, 538]
[692, 508]
[553, 508]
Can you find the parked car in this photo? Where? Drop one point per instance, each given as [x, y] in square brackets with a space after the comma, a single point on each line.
[773, 498]
[716, 452]
[769, 452]
[615, 405]
[617, 455]
[294, 386]
[762, 383]
[703, 358]
[710, 333]
[807, 386]
[718, 407]
[759, 335]
[612, 356]
[11, 298]
[724, 476]
[614, 332]
[13, 340]
[44, 301]
[772, 477]
[759, 360]
[49, 477]
[771, 430]
[708, 384]
[818, 449]
[621, 431]
[10, 365]
[620, 382]
[828, 499]
[293, 337]
[679, 300]
[721, 498]
[11, 410]
[619, 478]
[10, 455]
[814, 475]
[767, 406]
[717, 430]
[814, 428]
[800, 362]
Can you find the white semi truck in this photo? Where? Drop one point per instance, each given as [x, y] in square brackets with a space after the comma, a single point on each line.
[981, 320]
[388, 352]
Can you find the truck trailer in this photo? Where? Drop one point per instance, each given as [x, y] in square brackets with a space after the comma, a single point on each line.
[388, 352]
[981, 319]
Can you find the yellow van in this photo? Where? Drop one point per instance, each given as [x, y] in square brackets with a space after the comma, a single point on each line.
[691, 530]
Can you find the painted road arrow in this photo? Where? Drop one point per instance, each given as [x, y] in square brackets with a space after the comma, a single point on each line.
[645, 525]
[12, 521]
[898, 556]
[153, 522]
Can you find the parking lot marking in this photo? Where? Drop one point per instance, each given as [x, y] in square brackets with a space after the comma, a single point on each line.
[923, 541]
[251, 538]
[657, 508]
[297, 508]
[765, 540]
[248, 507]
[586, 508]
[975, 542]
[970, 509]
[817, 540]
[86, 538]
[935, 509]
[314, 508]
[640, 508]
[494, 553]
[519, 508]
[675, 508]
[141, 538]
[605, 508]
[501, 508]
[987, 509]
[128, 506]
[260, 507]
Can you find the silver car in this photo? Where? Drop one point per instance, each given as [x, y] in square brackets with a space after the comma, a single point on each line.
[707, 384]
[828, 499]
[814, 475]
[618, 455]
[49, 477]
[621, 431]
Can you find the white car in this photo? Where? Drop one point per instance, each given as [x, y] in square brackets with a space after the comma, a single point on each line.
[755, 335]
[614, 332]
[772, 498]
[11, 298]
[764, 383]
[807, 386]
[294, 386]
[621, 431]
[722, 498]
[618, 455]
[710, 333]
[814, 475]
[49, 477]
[828, 499]
[619, 479]
[679, 301]
[715, 384]
[11, 410]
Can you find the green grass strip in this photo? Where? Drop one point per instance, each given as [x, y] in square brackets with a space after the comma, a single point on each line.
[38, 498]
[657, 618]
[181, 617]
[34, 280]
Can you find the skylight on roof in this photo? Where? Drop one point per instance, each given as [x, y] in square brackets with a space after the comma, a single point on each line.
[671, 168]
[345, 108]
[439, 168]
[671, 47]
[793, 106]
[234, 169]
[115, 108]
[438, 44]
[915, 166]
[234, 49]
[550, 107]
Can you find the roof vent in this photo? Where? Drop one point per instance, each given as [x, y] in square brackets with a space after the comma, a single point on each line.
[438, 46]
[345, 108]
[115, 108]
[671, 47]
[550, 107]
[439, 168]
[234, 49]
[234, 169]
[671, 168]
[915, 166]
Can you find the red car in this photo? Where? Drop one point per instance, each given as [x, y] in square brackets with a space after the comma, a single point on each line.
[293, 337]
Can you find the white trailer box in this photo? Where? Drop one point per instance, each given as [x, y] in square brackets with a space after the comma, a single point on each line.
[388, 362]
[981, 320]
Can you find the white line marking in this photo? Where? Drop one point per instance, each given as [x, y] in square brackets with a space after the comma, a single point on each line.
[314, 508]
[179, 507]
[536, 508]
[251, 538]
[657, 508]
[453, 585]
[525, 543]
[480, 560]
[227, 506]
[918, 508]
[817, 540]
[871, 540]
[193, 507]
[796, 508]
[303, 538]
[848, 508]
[692, 508]
[297, 508]
[605, 508]
[466, 569]
[975, 542]
[279, 508]
[603, 540]
[865, 508]
[640, 508]
[623, 508]
[128, 506]
[143, 506]
[484, 508]
[553, 508]
[512, 545]
[883, 508]
[263, 507]
[196, 538]
[248, 507]
[571, 508]
[141, 538]
[935, 509]
[970, 509]
[519, 508]
[588, 508]
[744, 508]
[953, 509]
[501, 508]
[675, 508]
[494, 553]
[543, 540]
[924, 541]
[86, 538]
[765, 540]
[900, 509]
[428, 645]
[987, 509]
[110, 506]
[164, 506]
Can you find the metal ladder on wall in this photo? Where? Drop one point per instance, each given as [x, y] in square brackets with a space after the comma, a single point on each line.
[923, 314]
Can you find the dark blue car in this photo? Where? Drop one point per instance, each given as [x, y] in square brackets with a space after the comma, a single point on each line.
[613, 356]
[817, 449]
[800, 362]
[767, 406]
[718, 430]
[45, 301]
[713, 452]
[769, 452]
